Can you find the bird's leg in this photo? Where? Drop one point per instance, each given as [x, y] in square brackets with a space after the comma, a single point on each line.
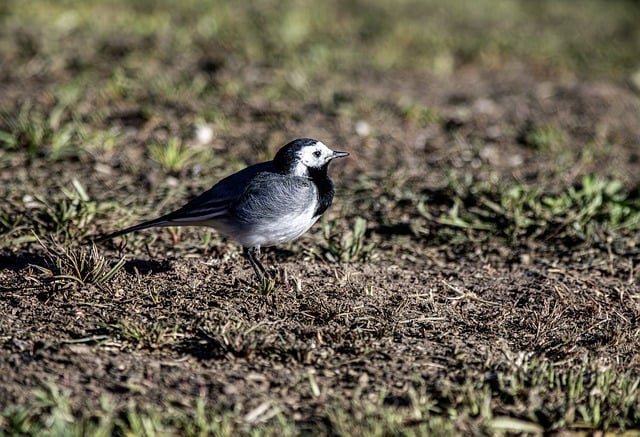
[252, 254]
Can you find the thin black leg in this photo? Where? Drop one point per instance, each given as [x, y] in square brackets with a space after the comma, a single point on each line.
[252, 254]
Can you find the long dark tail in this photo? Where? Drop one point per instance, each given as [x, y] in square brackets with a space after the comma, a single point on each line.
[161, 221]
[195, 213]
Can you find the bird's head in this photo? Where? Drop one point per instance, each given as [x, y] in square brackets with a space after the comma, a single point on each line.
[305, 156]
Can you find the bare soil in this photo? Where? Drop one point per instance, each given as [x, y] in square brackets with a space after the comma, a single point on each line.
[428, 309]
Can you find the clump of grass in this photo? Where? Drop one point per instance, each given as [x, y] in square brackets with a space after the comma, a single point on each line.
[10, 222]
[349, 246]
[236, 338]
[377, 415]
[415, 112]
[587, 396]
[38, 135]
[533, 396]
[527, 396]
[64, 143]
[543, 138]
[53, 413]
[145, 334]
[100, 142]
[77, 266]
[576, 213]
[120, 84]
[68, 217]
[174, 156]
[27, 130]
[267, 286]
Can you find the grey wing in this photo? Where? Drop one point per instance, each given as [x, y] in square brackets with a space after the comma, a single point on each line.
[211, 204]
[271, 196]
[216, 201]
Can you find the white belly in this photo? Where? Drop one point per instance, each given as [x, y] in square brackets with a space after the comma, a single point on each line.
[266, 233]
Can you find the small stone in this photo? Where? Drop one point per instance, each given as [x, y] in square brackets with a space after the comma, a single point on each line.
[204, 133]
[362, 128]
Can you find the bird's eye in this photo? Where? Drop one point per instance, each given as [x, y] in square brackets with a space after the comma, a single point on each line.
[317, 154]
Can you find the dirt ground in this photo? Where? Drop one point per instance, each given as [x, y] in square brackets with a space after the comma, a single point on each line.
[433, 322]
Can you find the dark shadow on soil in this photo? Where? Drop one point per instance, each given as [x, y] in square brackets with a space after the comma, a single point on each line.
[400, 228]
[16, 262]
[202, 347]
[147, 267]
[279, 253]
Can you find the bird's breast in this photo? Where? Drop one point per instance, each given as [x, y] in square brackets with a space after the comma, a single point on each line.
[270, 231]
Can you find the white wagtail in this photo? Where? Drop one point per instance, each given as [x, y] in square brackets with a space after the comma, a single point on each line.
[263, 205]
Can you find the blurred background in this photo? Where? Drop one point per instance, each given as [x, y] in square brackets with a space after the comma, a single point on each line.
[590, 38]
[72, 73]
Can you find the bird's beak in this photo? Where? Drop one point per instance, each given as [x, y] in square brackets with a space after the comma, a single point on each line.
[339, 154]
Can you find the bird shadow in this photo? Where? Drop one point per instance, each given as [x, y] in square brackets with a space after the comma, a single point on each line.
[19, 261]
[203, 347]
[279, 253]
[146, 267]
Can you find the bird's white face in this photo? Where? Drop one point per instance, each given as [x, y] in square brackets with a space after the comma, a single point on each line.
[313, 156]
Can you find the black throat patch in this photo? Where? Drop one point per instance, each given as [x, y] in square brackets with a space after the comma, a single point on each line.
[325, 189]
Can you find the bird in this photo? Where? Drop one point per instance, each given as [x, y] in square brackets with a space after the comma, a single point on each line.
[263, 205]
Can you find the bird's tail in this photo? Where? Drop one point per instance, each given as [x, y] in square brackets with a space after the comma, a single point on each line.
[151, 223]
[189, 215]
